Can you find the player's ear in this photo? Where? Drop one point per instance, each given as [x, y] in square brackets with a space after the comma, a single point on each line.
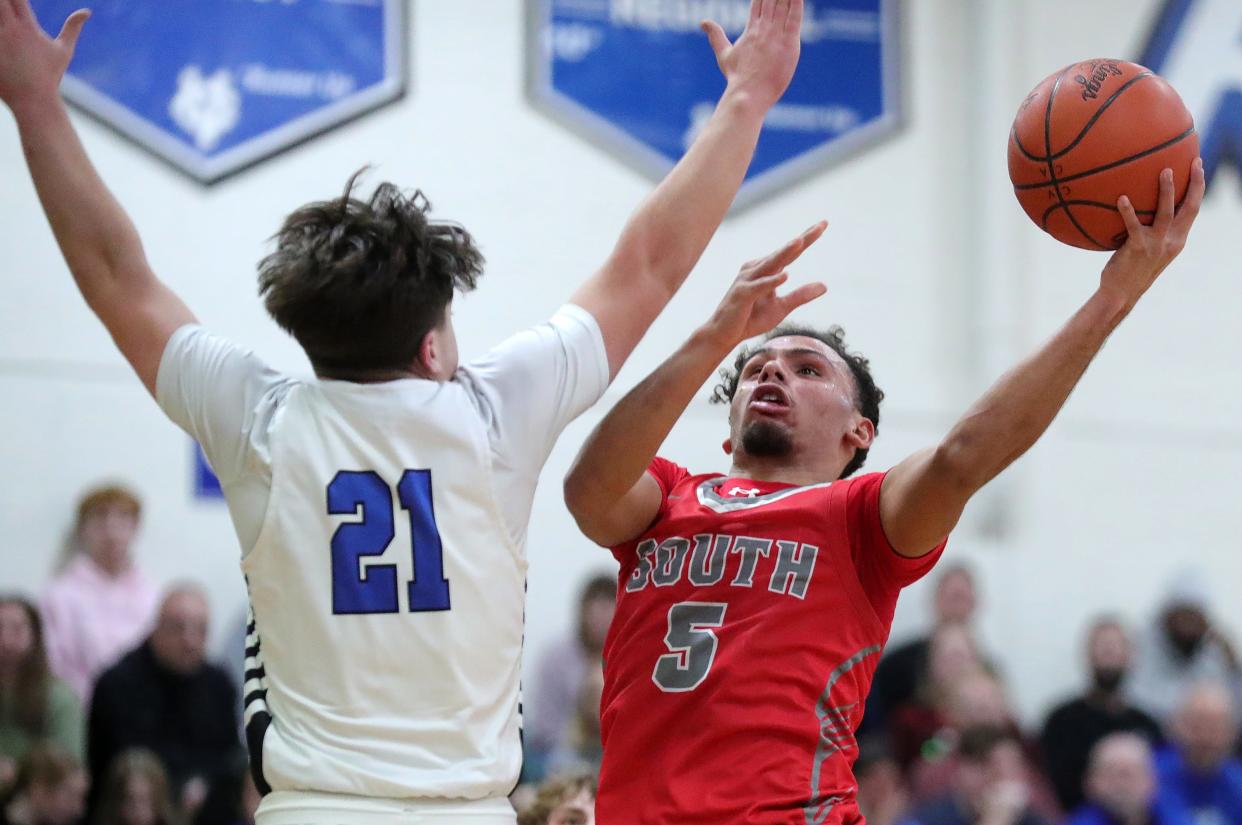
[862, 435]
[727, 446]
[428, 356]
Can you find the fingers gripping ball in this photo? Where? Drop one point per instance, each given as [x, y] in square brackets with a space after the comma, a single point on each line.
[1089, 134]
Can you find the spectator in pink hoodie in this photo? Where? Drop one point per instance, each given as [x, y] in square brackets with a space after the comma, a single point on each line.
[99, 605]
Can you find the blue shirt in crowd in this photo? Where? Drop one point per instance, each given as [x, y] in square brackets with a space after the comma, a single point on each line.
[1213, 798]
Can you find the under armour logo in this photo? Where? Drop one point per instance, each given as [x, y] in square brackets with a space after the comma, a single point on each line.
[205, 107]
[741, 491]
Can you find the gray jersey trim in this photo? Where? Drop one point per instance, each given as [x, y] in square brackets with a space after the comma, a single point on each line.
[712, 500]
[835, 735]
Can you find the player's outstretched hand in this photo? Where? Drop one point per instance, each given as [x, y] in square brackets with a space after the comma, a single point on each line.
[751, 306]
[1149, 249]
[31, 63]
[762, 61]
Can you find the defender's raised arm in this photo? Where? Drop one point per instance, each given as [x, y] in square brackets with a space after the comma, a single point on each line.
[666, 235]
[99, 243]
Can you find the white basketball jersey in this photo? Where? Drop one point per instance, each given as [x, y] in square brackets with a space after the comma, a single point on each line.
[386, 568]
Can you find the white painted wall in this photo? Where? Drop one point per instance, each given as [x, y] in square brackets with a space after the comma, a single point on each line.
[932, 268]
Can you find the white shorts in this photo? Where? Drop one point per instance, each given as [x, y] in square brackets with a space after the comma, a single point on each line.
[305, 808]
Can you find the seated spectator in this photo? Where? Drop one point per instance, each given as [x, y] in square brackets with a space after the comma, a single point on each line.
[1182, 649]
[100, 604]
[562, 669]
[990, 787]
[34, 705]
[1074, 727]
[165, 696]
[952, 657]
[882, 797]
[568, 800]
[135, 792]
[977, 700]
[1197, 771]
[580, 749]
[50, 789]
[900, 672]
[1120, 786]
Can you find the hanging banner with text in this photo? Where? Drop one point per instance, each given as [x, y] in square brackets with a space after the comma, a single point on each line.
[639, 78]
[214, 86]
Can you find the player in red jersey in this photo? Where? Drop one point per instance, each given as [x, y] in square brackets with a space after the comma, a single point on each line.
[753, 606]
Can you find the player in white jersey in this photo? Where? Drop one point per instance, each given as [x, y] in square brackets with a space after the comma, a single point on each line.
[382, 506]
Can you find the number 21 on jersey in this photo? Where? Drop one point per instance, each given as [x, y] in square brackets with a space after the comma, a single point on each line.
[373, 589]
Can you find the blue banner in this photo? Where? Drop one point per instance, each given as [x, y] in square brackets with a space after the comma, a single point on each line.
[639, 77]
[216, 85]
[1196, 45]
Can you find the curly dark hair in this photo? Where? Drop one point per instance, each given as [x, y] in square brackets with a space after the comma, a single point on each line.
[359, 283]
[867, 396]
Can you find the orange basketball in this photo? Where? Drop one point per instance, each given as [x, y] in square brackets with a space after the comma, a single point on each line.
[1089, 134]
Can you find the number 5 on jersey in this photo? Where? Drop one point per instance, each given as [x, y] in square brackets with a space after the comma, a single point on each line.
[373, 589]
[692, 643]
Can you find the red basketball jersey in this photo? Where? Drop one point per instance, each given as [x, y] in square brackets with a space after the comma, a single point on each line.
[750, 618]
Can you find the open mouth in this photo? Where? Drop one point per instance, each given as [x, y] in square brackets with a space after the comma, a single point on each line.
[770, 399]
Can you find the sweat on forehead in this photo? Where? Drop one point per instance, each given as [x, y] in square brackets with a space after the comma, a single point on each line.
[797, 345]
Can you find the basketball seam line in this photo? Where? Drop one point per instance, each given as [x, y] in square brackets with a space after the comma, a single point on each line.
[1056, 206]
[1085, 129]
[1113, 165]
[1099, 112]
[1048, 212]
[1052, 172]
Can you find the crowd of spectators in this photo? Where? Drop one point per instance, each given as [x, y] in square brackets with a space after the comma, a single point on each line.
[111, 713]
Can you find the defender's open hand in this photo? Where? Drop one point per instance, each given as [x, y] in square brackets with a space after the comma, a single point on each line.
[763, 59]
[31, 63]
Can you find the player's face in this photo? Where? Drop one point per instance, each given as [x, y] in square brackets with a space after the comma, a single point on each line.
[795, 395]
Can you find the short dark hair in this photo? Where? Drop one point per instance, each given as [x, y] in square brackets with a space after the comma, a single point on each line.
[867, 396]
[359, 283]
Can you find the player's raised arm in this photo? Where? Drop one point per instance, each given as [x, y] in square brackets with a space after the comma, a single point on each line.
[96, 237]
[666, 235]
[607, 490]
[923, 496]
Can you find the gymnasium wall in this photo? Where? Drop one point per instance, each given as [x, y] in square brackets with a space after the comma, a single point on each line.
[932, 268]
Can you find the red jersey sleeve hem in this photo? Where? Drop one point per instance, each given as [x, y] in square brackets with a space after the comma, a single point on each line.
[905, 569]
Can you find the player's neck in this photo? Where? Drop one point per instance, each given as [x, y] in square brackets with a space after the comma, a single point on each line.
[780, 471]
[370, 376]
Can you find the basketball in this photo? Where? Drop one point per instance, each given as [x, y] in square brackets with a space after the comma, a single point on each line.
[1087, 135]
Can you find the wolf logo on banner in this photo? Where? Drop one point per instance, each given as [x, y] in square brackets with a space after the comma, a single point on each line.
[1197, 46]
[219, 85]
